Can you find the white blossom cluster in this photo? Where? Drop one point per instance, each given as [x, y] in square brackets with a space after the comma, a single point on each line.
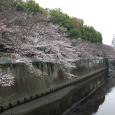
[34, 37]
[6, 79]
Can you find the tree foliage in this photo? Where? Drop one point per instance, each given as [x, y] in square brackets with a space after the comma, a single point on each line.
[7, 3]
[32, 6]
[58, 17]
[91, 34]
[20, 5]
[75, 23]
[99, 37]
[74, 26]
[74, 33]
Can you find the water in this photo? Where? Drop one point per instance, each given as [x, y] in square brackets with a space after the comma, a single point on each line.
[108, 107]
[102, 102]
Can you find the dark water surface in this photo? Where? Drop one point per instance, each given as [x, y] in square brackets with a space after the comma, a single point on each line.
[108, 106]
[102, 102]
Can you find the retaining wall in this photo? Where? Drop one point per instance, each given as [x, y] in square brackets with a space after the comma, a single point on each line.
[28, 86]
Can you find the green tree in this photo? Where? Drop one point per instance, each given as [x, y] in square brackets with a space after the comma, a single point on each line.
[74, 33]
[7, 3]
[99, 37]
[43, 11]
[58, 17]
[91, 34]
[31, 5]
[17, 2]
[76, 23]
[84, 37]
[19, 7]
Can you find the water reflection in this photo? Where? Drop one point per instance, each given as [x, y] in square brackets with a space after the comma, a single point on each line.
[6, 79]
[108, 107]
[102, 102]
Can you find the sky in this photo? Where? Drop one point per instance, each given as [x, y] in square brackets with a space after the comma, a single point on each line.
[97, 13]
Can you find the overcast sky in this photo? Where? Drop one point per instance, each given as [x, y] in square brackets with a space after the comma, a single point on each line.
[97, 13]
